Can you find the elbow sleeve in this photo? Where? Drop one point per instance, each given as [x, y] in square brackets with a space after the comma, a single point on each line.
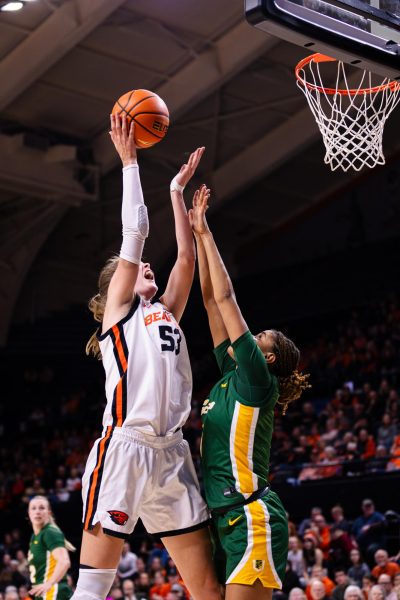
[135, 222]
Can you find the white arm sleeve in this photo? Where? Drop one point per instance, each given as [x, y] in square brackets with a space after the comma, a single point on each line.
[135, 222]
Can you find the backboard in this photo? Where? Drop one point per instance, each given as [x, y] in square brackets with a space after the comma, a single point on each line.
[365, 33]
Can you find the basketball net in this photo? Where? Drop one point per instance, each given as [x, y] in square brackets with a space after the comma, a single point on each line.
[351, 119]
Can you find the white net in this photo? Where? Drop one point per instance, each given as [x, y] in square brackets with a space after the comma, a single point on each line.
[351, 115]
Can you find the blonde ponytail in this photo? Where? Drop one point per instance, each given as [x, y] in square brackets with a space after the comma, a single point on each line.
[97, 304]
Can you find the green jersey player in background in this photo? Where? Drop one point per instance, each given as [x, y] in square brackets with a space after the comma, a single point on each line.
[48, 554]
[249, 521]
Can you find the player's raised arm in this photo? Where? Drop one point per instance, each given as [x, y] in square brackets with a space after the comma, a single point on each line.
[217, 327]
[135, 225]
[224, 294]
[181, 278]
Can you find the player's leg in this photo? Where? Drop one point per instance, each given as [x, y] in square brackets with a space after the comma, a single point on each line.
[236, 591]
[99, 550]
[109, 513]
[100, 555]
[192, 554]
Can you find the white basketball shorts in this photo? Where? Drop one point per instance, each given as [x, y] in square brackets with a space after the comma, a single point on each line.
[131, 475]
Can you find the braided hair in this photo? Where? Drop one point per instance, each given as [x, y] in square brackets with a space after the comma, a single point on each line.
[292, 383]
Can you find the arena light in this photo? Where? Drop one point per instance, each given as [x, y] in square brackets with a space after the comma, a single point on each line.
[11, 6]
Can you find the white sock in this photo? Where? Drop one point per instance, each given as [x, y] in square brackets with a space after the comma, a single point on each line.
[94, 584]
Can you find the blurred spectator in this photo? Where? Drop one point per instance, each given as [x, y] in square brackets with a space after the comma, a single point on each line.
[128, 590]
[376, 593]
[342, 583]
[318, 573]
[385, 581]
[128, 564]
[308, 521]
[353, 592]
[323, 535]
[295, 556]
[367, 583]
[297, 594]
[312, 555]
[383, 565]
[386, 432]
[291, 579]
[368, 529]
[317, 590]
[339, 522]
[11, 593]
[358, 568]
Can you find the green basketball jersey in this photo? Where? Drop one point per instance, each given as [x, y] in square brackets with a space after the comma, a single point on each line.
[41, 561]
[237, 424]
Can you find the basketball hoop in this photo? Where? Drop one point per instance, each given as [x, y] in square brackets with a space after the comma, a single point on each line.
[351, 119]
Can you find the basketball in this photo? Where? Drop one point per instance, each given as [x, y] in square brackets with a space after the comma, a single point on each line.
[148, 111]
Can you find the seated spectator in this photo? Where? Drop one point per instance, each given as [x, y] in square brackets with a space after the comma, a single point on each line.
[330, 463]
[128, 564]
[339, 522]
[367, 583]
[340, 547]
[376, 593]
[342, 583]
[383, 565]
[311, 553]
[385, 581]
[128, 590]
[308, 521]
[394, 462]
[323, 535]
[366, 445]
[23, 593]
[317, 590]
[311, 471]
[297, 594]
[115, 593]
[291, 579]
[353, 592]
[178, 591]
[358, 568]
[11, 593]
[319, 573]
[295, 556]
[378, 464]
[368, 529]
[386, 432]
[142, 585]
[160, 588]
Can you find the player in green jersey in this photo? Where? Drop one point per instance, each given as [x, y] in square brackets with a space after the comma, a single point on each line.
[250, 523]
[48, 554]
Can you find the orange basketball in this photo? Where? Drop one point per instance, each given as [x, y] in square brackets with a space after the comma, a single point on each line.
[148, 111]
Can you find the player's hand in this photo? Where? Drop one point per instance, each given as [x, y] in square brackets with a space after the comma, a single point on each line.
[188, 169]
[122, 135]
[41, 589]
[197, 214]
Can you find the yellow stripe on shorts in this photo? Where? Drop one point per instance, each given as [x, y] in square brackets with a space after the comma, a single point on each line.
[51, 565]
[241, 447]
[257, 561]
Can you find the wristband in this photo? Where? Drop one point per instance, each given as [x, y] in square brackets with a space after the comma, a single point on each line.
[175, 186]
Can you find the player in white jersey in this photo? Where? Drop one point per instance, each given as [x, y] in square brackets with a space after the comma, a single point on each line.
[141, 465]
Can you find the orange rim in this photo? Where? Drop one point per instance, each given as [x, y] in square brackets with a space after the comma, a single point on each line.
[318, 58]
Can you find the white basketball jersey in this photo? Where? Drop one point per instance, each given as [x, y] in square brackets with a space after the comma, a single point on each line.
[148, 375]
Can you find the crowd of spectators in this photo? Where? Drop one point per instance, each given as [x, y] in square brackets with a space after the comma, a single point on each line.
[329, 556]
[348, 425]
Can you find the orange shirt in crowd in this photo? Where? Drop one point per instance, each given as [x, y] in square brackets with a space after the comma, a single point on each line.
[390, 569]
[329, 587]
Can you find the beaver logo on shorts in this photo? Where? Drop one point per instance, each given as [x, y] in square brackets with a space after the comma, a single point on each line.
[118, 517]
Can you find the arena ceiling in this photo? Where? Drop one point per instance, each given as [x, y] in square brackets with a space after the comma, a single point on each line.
[228, 87]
